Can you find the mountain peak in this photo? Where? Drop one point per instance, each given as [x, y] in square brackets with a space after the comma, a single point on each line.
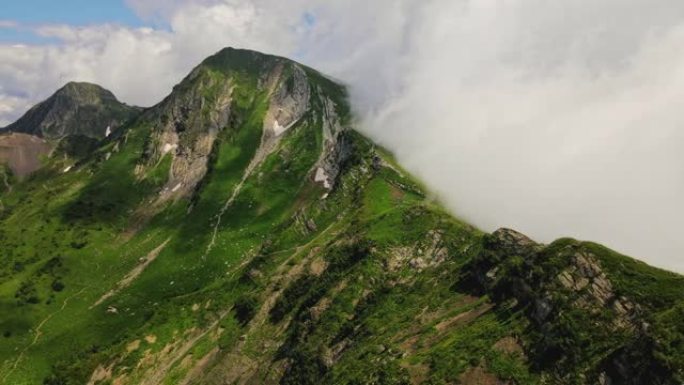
[244, 61]
[234, 86]
[78, 108]
[84, 89]
[237, 55]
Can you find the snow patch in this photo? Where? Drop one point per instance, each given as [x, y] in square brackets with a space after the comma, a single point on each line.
[169, 147]
[322, 176]
[67, 169]
[108, 131]
[178, 186]
[278, 129]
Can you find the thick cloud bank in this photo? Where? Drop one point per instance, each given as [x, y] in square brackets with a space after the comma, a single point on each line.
[555, 118]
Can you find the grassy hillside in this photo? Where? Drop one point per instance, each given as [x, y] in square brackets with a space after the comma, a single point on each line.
[143, 265]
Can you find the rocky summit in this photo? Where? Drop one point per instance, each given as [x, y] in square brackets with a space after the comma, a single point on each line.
[75, 109]
[242, 231]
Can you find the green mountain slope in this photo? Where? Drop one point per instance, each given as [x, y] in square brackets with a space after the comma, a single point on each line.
[242, 232]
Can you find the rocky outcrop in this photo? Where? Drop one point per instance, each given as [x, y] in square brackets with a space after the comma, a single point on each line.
[185, 126]
[336, 147]
[513, 242]
[585, 277]
[289, 101]
[579, 276]
[75, 109]
[431, 252]
[564, 291]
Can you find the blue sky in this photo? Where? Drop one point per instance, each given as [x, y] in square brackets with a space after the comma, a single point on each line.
[29, 13]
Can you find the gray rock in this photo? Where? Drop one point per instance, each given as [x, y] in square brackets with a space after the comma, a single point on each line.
[542, 309]
[566, 280]
[417, 263]
[514, 243]
[336, 147]
[311, 225]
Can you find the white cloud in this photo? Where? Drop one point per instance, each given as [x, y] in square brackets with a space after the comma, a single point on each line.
[556, 118]
[140, 65]
[8, 24]
[9, 105]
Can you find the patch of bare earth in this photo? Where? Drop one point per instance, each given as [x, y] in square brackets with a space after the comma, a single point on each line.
[318, 266]
[22, 152]
[479, 376]
[133, 346]
[462, 318]
[200, 366]
[396, 192]
[101, 374]
[510, 345]
[418, 373]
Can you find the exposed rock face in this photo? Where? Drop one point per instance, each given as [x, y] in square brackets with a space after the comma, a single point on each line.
[336, 149]
[429, 253]
[581, 276]
[289, 101]
[185, 126]
[584, 275]
[77, 108]
[514, 242]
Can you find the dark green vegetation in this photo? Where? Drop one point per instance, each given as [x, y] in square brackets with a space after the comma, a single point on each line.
[197, 246]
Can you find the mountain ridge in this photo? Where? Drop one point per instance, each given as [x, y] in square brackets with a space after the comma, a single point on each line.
[242, 231]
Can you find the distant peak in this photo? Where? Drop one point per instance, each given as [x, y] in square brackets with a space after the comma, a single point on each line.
[85, 90]
[77, 108]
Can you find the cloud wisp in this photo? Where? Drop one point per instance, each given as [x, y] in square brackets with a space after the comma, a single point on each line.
[553, 118]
